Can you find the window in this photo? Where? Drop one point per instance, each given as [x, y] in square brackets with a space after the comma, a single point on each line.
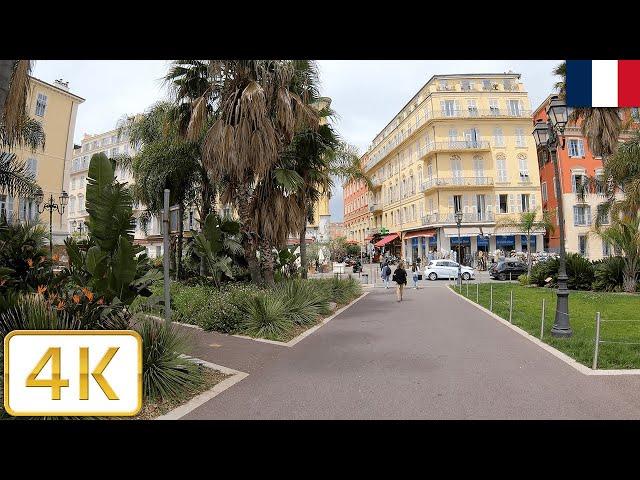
[72, 204]
[41, 104]
[32, 166]
[582, 245]
[456, 169]
[472, 107]
[106, 141]
[603, 218]
[606, 249]
[486, 84]
[581, 215]
[443, 85]
[543, 188]
[514, 108]
[576, 147]
[453, 136]
[520, 140]
[503, 203]
[466, 85]
[114, 151]
[448, 108]
[6, 207]
[472, 137]
[457, 203]
[501, 167]
[498, 137]
[481, 207]
[524, 168]
[493, 107]
[524, 202]
[578, 182]
[478, 167]
[158, 251]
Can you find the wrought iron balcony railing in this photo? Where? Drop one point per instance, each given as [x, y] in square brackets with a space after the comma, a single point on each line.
[457, 182]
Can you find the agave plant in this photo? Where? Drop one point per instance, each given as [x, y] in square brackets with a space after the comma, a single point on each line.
[216, 243]
[265, 316]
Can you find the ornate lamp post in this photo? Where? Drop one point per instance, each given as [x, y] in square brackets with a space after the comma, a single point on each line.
[548, 136]
[458, 216]
[51, 206]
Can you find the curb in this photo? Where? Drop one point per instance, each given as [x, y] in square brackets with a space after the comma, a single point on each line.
[195, 402]
[553, 351]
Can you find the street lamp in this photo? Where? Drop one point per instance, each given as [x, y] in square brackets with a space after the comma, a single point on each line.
[458, 216]
[547, 135]
[51, 206]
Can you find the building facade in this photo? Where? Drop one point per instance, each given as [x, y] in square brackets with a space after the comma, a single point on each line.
[356, 211]
[462, 143]
[336, 230]
[56, 108]
[576, 164]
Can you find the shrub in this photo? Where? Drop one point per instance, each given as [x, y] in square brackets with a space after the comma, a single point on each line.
[608, 274]
[579, 270]
[265, 315]
[523, 279]
[165, 373]
[339, 291]
[304, 301]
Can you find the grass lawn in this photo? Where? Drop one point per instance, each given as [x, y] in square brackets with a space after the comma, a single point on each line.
[619, 314]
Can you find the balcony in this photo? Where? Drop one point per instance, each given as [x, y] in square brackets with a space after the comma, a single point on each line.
[454, 146]
[449, 218]
[457, 182]
[476, 113]
[375, 207]
[376, 182]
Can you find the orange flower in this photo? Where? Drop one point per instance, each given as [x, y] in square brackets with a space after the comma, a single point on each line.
[60, 305]
[88, 294]
[30, 262]
[41, 289]
[76, 299]
[55, 257]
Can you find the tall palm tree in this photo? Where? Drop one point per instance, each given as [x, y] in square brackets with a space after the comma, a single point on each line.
[600, 126]
[527, 222]
[16, 128]
[255, 116]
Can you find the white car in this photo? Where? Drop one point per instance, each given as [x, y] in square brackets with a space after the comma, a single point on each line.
[446, 269]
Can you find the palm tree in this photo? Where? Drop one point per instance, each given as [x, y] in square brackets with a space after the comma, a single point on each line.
[255, 116]
[600, 126]
[527, 222]
[624, 236]
[16, 128]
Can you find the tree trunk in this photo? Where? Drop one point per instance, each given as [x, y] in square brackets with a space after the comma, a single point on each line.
[268, 262]
[249, 241]
[6, 70]
[205, 210]
[528, 256]
[180, 241]
[304, 267]
[629, 276]
[172, 255]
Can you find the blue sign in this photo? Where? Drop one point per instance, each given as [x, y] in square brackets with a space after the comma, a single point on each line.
[505, 241]
[483, 241]
[460, 241]
[433, 241]
[533, 239]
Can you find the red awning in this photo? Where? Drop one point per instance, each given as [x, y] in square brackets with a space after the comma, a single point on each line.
[385, 240]
[421, 233]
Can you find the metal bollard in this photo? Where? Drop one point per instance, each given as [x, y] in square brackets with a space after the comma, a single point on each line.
[597, 342]
[491, 297]
[511, 307]
[542, 321]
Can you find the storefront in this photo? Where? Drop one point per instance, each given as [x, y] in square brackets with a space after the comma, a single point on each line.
[417, 243]
[389, 245]
[506, 243]
[532, 239]
[462, 247]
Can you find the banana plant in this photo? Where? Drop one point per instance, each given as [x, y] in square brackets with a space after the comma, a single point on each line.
[215, 243]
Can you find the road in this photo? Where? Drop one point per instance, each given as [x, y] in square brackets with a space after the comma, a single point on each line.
[433, 356]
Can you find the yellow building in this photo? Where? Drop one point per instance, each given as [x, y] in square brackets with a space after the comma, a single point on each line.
[462, 143]
[55, 107]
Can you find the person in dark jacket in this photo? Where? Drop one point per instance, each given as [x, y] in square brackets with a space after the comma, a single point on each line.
[400, 277]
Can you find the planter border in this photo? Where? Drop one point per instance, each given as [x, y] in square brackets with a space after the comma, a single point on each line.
[198, 400]
[553, 351]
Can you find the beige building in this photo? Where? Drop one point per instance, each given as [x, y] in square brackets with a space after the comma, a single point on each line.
[55, 107]
[462, 143]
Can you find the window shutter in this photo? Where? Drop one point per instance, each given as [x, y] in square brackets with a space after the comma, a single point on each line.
[450, 203]
[21, 208]
[511, 203]
[489, 203]
[466, 203]
[442, 106]
[575, 216]
[456, 105]
[532, 201]
[588, 215]
[474, 203]
[9, 207]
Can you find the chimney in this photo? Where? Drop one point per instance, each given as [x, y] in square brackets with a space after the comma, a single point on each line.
[60, 83]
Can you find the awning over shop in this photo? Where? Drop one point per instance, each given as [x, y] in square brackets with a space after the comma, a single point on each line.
[421, 233]
[464, 232]
[385, 240]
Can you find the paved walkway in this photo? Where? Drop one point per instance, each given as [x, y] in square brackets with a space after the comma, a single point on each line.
[434, 356]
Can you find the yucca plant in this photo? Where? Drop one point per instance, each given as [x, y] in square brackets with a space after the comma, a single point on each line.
[166, 374]
[265, 315]
[304, 301]
[609, 274]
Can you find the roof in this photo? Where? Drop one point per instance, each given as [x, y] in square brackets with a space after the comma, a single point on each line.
[61, 90]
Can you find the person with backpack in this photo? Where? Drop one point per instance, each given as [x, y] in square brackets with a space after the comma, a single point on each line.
[415, 270]
[386, 273]
[400, 277]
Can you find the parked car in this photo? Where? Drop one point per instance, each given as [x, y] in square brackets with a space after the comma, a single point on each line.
[506, 269]
[446, 269]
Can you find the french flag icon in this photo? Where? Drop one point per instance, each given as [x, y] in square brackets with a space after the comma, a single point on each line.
[603, 83]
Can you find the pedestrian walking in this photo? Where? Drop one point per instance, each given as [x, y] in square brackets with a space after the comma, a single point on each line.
[400, 277]
[415, 270]
[386, 273]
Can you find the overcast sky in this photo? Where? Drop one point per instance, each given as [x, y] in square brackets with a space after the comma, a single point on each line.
[365, 94]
